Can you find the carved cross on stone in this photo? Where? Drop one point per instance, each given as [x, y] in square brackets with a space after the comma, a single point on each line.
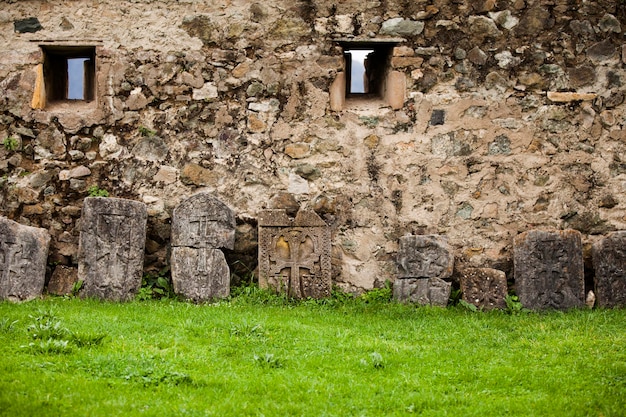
[294, 251]
[12, 263]
[549, 269]
[294, 254]
[609, 262]
[23, 254]
[111, 248]
[201, 226]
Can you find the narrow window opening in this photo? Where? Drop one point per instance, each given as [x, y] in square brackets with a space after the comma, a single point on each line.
[359, 61]
[366, 66]
[69, 73]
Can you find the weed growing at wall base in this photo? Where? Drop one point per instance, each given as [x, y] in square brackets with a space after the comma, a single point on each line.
[265, 355]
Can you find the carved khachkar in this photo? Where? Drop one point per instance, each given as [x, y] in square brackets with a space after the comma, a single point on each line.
[424, 256]
[201, 226]
[422, 291]
[294, 254]
[609, 262]
[484, 287]
[111, 248]
[23, 255]
[549, 270]
[423, 263]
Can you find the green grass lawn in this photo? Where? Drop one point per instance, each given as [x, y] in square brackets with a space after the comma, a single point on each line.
[246, 357]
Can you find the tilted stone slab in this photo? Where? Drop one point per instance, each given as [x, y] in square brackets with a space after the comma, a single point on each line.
[111, 248]
[63, 280]
[294, 254]
[201, 226]
[23, 256]
[422, 291]
[549, 270]
[484, 287]
[609, 262]
[424, 256]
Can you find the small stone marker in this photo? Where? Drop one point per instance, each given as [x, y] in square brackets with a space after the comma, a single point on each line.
[111, 248]
[609, 261]
[23, 255]
[423, 263]
[294, 254]
[484, 287]
[424, 256]
[549, 269]
[422, 291]
[201, 225]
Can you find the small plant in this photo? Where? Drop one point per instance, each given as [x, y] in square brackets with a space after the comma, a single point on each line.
[53, 346]
[268, 360]
[144, 131]
[378, 295]
[6, 325]
[11, 143]
[514, 306]
[376, 361]
[95, 191]
[468, 306]
[248, 331]
[78, 285]
[155, 286]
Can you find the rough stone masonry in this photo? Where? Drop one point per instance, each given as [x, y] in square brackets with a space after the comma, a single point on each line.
[486, 119]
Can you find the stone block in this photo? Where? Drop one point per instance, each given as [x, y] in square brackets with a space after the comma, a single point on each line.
[201, 226]
[111, 248]
[549, 269]
[295, 254]
[424, 256]
[484, 287]
[62, 280]
[23, 255]
[422, 291]
[609, 262]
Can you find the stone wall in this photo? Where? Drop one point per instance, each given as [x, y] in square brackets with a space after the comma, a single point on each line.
[500, 116]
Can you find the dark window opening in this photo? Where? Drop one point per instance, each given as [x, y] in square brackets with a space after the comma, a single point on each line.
[366, 68]
[69, 73]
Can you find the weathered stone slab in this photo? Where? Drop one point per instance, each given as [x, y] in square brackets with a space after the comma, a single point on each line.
[111, 248]
[201, 226]
[424, 256]
[549, 269]
[23, 255]
[422, 291]
[609, 261]
[62, 280]
[294, 253]
[484, 287]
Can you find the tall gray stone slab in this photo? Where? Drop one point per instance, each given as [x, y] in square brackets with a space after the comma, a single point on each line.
[294, 254]
[23, 255]
[609, 262]
[484, 287]
[424, 256]
[422, 291]
[111, 248]
[549, 270]
[201, 226]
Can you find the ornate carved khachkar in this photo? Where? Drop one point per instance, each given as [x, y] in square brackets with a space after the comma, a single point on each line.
[23, 255]
[111, 248]
[609, 262]
[549, 270]
[294, 254]
[201, 226]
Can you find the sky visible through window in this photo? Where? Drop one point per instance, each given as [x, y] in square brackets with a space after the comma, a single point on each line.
[358, 70]
[76, 78]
